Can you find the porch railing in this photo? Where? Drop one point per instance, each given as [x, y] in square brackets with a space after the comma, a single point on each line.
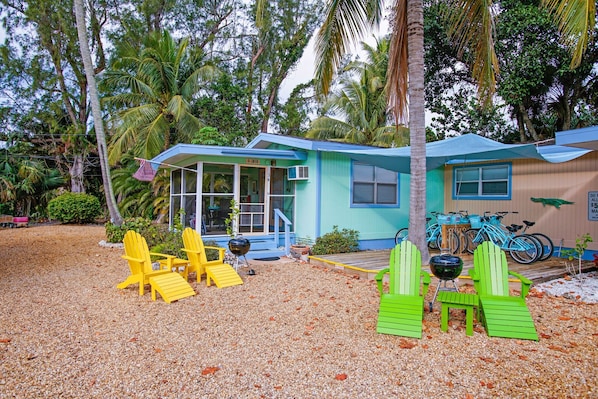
[278, 215]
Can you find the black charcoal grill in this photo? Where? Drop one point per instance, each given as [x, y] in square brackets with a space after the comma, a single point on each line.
[446, 268]
[239, 246]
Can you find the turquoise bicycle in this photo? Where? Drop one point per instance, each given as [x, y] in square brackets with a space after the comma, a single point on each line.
[523, 248]
[545, 241]
[433, 235]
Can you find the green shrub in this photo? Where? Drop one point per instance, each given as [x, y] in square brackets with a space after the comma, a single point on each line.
[158, 238]
[74, 208]
[171, 244]
[116, 233]
[336, 242]
[211, 254]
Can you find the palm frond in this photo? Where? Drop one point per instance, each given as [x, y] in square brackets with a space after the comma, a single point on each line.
[155, 134]
[326, 128]
[576, 20]
[471, 27]
[346, 22]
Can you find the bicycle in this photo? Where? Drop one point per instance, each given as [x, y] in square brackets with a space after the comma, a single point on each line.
[545, 241]
[433, 235]
[546, 245]
[523, 248]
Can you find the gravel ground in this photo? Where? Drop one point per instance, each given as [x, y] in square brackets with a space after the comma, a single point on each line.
[582, 288]
[293, 330]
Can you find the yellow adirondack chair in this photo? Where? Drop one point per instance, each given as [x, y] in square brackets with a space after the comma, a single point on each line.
[140, 264]
[223, 274]
[503, 315]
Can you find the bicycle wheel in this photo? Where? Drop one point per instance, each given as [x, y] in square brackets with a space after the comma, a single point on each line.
[547, 245]
[454, 244]
[473, 238]
[401, 235]
[432, 234]
[524, 249]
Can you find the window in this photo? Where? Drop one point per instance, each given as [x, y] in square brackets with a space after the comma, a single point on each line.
[372, 185]
[482, 182]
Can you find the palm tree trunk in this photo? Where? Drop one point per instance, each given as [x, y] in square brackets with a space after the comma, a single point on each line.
[115, 216]
[417, 126]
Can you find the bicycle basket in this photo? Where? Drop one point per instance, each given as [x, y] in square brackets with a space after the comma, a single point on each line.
[444, 219]
[475, 221]
[494, 220]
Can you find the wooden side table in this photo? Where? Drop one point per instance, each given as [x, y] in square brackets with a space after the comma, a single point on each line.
[457, 300]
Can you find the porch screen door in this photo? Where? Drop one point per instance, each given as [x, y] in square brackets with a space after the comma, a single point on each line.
[282, 196]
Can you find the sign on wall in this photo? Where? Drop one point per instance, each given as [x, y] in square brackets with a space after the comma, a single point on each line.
[593, 205]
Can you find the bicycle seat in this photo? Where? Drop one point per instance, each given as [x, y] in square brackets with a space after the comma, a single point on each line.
[529, 224]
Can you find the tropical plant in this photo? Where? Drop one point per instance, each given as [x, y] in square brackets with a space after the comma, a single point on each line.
[470, 27]
[153, 89]
[27, 185]
[40, 57]
[357, 112]
[209, 136]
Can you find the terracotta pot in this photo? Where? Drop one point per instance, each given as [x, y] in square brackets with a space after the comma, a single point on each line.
[300, 249]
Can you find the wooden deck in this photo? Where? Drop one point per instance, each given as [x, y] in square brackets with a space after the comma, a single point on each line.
[368, 263]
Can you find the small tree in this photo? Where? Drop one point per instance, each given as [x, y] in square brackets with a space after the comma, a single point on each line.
[581, 244]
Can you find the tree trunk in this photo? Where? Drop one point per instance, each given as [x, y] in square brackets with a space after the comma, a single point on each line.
[115, 216]
[76, 172]
[417, 126]
[520, 126]
[528, 123]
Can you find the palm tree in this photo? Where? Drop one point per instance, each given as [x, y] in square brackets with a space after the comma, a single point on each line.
[154, 88]
[471, 27]
[115, 216]
[361, 105]
[26, 185]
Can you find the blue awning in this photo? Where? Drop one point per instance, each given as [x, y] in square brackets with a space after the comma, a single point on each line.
[462, 149]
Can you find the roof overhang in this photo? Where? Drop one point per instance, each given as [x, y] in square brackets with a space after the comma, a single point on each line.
[265, 140]
[586, 137]
[185, 154]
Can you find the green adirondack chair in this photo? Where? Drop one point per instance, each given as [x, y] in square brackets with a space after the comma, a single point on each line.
[402, 307]
[503, 315]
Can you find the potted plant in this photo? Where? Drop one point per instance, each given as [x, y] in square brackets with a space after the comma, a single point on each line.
[238, 244]
[301, 249]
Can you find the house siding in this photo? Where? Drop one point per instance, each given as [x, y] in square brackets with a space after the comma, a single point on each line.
[570, 181]
[376, 226]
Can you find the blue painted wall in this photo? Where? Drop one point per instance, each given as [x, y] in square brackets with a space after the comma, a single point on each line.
[330, 185]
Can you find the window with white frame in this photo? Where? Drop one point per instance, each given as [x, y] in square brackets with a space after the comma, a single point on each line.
[482, 181]
[372, 185]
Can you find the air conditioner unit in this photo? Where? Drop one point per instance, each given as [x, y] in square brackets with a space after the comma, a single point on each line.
[298, 173]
